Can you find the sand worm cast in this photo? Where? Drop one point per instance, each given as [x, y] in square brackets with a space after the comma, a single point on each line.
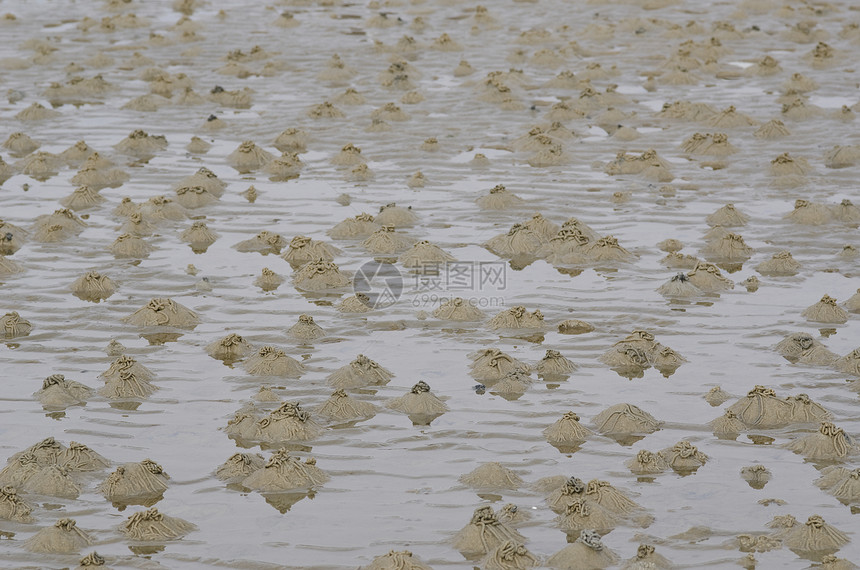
[14, 325]
[484, 533]
[151, 525]
[92, 559]
[12, 507]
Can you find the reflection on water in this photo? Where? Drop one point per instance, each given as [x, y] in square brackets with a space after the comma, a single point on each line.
[393, 476]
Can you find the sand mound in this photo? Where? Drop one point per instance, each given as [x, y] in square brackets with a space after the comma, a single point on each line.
[152, 525]
[483, 534]
[492, 475]
[284, 472]
[62, 538]
[359, 373]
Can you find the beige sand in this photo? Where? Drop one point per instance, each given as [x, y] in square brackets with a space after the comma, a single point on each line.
[19, 469]
[268, 280]
[729, 248]
[716, 396]
[842, 483]
[846, 211]
[303, 249]
[424, 254]
[611, 498]
[491, 365]
[341, 407]
[782, 263]
[800, 345]
[762, 408]
[566, 430]
[553, 363]
[729, 424]
[62, 538]
[458, 309]
[518, 241]
[288, 422]
[564, 494]
[249, 157]
[647, 463]
[238, 466]
[850, 363]
[397, 560]
[647, 557]
[12, 507]
[80, 458]
[829, 443]
[164, 312]
[138, 226]
[359, 373]
[198, 146]
[265, 242]
[516, 318]
[815, 537]
[45, 451]
[59, 393]
[625, 419]
[708, 278]
[386, 240]
[13, 325]
[677, 260]
[141, 144]
[684, 457]
[126, 364]
[825, 311]
[161, 208]
[499, 198]
[306, 329]
[483, 534]
[419, 404]
[93, 286]
[492, 475]
[231, 348]
[204, 178]
[135, 483]
[361, 226]
[586, 553]
[584, 514]
[199, 236]
[242, 425]
[679, 286]
[126, 385]
[509, 555]
[804, 410]
[512, 515]
[19, 144]
[152, 525]
[82, 198]
[319, 275]
[283, 472]
[53, 481]
[271, 361]
[574, 326]
[358, 303]
[285, 167]
[809, 213]
[292, 140]
[193, 197]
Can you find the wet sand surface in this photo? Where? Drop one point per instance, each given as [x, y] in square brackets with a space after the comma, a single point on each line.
[395, 484]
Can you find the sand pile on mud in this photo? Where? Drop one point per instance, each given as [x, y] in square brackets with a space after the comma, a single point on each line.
[174, 179]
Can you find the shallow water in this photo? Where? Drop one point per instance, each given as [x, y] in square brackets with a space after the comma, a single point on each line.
[394, 485]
